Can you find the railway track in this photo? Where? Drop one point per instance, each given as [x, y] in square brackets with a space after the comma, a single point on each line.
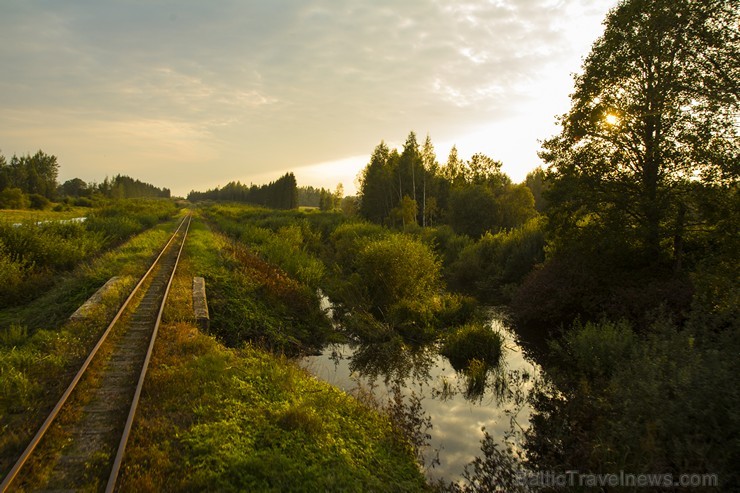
[95, 414]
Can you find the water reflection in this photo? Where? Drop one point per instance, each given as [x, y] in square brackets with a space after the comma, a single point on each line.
[458, 403]
[393, 361]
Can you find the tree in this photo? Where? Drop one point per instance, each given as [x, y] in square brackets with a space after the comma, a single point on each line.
[473, 210]
[483, 170]
[654, 111]
[376, 185]
[515, 206]
[32, 174]
[75, 187]
[13, 198]
[454, 169]
[405, 212]
[4, 173]
[536, 183]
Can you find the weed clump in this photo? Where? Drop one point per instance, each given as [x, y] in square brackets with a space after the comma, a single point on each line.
[475, 341]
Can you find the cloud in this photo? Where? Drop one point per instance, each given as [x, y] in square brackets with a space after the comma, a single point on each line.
[284, 83]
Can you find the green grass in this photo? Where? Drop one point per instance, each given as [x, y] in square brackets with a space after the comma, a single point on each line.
[243, 419]
[33, 255]
[18, 216]
[40, 349]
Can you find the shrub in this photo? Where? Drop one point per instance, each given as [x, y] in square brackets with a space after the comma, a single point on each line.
[13, 198]
[83, 202]
[597, 350]
[12, 273]
[38, 202]
[446, 242]
[349, 238]
[489, 267]
[398, 268]
[475, 341]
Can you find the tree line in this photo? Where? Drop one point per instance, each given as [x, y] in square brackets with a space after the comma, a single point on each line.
[279, 194]
[321, 198]
[31, 181]
[411, 188]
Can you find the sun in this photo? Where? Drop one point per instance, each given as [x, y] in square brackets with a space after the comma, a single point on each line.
[611, 119]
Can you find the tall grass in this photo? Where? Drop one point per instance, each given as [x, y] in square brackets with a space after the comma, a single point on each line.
[32, 254]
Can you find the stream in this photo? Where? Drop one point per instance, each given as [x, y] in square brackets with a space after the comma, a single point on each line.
[455, 406]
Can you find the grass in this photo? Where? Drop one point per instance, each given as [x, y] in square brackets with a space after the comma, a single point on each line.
[40, 349]
[243, 419]
[33, 255]
[25, 215]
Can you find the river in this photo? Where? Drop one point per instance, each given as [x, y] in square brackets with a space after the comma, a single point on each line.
[456, 411]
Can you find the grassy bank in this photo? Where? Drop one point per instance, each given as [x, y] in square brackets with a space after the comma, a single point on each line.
[242, 419]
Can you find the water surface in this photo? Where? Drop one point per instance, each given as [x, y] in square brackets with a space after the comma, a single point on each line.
[457, 412]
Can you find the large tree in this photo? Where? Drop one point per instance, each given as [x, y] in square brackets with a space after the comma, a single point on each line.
[654, 114]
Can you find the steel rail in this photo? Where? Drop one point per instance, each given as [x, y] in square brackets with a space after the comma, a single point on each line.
[137, 394]
[5, 485]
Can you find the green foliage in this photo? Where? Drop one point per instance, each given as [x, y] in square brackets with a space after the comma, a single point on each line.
[492, 266]
[260, 424]
[650, 120]
[12, 273]
[496, 471]
[283, 240]
[122, 219]
[473, 210]
[125, 187]
[349, 238]
[597, 350]
[664, 401]
[39, 250]
[35, 174]
[405, 212]
[397, 268]
[537, 183]
[13, 198]
[473, 342]
[568, 286]
[40, 348]
[280, 194]
[446, 242]
[274, 309]
[38, 202]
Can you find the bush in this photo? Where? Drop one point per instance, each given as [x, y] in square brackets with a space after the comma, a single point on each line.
[83, 202]
[489, 267]
[12, 273]
[349, 238]
[475, 341]
[38, 202]
[446, 242]
[659, 398]
[397, 268]
[13, 198]
[569, 285]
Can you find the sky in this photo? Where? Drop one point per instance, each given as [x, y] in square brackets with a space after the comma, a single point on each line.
[190, 95]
